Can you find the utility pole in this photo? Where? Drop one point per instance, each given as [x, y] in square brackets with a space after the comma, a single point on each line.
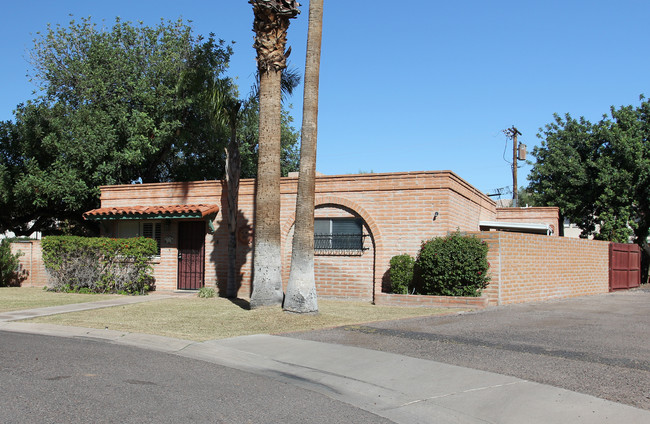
[513, 133]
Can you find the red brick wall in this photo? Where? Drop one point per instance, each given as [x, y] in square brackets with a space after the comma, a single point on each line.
[342, 276]
[431, 301]
[529, 267]
[31, 262]
[398, 210]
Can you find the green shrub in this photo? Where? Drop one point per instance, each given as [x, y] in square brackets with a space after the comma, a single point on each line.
[206, 292]
[401, 273]
[455, 265]
[9, 265]
[98, 264]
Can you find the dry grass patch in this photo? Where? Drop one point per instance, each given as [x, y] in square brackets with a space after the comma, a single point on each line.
[18, 298]
[216, 318]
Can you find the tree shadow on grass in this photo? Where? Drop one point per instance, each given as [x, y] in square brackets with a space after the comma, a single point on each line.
[242, 303]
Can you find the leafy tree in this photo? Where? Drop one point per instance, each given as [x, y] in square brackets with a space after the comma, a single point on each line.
[127, 80]
[9, 264]
[598, 174]
[525, 199]
[116, 105]
[112, 110]
[566, 170]
[271, 22]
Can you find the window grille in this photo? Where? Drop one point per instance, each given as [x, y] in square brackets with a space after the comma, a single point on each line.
[338, 236]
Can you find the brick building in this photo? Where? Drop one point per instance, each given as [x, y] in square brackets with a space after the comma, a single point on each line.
[361, 222]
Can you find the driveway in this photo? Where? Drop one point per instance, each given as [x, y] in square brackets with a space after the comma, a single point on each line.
[597, 345]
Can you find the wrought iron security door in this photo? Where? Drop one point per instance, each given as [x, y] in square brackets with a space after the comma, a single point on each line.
[191, 255]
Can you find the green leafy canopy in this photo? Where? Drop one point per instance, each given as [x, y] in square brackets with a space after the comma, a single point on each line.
[116, 105]
[598, 174]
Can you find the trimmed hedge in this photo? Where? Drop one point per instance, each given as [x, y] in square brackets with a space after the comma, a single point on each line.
[99, 264]
[401, 273]
[455, 265]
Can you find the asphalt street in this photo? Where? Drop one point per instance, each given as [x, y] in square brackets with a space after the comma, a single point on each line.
[573, 361]
[46, 379]
[597, 345]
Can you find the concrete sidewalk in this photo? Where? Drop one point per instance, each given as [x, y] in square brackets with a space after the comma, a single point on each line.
[400, 388]
[75, 307]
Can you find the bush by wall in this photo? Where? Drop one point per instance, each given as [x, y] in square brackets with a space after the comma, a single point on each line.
[401, 273]
[455, 265]
[99, 265]
[9, 265]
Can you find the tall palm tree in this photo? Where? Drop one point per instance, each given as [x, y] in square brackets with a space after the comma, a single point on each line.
[270, 25]
[301, 289]
[226, 111]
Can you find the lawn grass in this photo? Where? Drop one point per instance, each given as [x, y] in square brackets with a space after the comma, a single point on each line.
[193, 318]
[19, 298]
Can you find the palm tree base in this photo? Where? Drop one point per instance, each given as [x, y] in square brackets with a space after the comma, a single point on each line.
[300, 304]
[257, 302]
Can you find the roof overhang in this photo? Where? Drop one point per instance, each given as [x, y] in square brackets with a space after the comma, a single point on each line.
[152, 212]
[518, 227]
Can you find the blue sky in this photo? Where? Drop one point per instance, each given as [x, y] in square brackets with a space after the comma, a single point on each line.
[409, 86]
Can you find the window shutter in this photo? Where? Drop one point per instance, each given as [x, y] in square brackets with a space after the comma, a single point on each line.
[158, 234]
[153, 231]
[147, 230]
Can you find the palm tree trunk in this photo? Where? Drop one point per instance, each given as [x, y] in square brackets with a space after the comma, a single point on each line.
[301, 289]
[270, 26]
[267, 263]
[233, 172]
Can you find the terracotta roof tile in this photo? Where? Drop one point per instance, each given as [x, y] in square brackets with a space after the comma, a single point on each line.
[203, 210]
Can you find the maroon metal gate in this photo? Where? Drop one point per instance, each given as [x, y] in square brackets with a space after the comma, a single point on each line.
[191, 254]
[624, 266]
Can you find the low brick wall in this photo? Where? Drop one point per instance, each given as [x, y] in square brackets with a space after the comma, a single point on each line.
[31, 262]
[387, 299]
[523, 268]
[529, 267]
